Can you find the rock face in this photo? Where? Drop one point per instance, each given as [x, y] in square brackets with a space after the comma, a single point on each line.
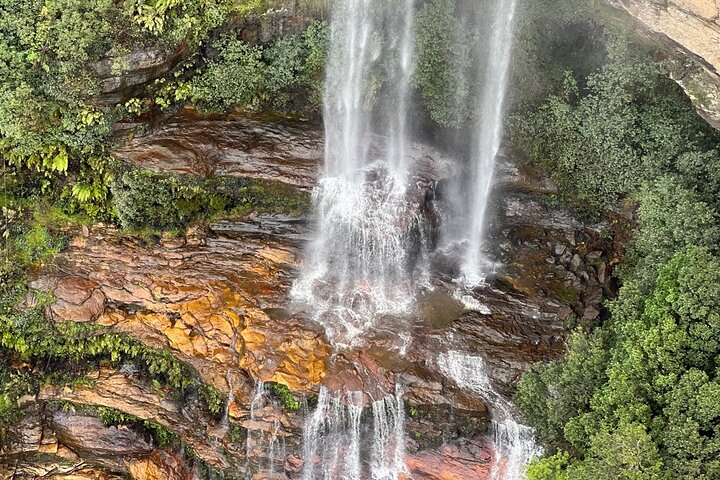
[123, 76]
[64, 444]
[694, 27]
[218, 299]
[236, 145]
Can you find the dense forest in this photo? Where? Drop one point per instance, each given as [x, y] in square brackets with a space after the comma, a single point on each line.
[592, 104]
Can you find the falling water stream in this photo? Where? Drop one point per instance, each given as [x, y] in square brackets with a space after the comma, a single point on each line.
[514, 443]
[340, 442]
[357, 267]
[487, 134]
[361, 267]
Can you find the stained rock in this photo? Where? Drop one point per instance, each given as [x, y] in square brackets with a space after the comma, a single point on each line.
[236, 145]
[217, 304]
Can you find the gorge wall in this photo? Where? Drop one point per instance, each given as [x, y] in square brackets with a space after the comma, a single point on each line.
[693, 26]
[217, 298]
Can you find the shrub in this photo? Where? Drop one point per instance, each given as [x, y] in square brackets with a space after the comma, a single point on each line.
[286, 75]
[144, 199]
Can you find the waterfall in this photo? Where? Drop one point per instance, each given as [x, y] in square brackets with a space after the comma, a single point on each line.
[270, 440]
[357, 266]
[252, 437]
[335, 437]
[388, 452]
[514, 443]
[487, 133]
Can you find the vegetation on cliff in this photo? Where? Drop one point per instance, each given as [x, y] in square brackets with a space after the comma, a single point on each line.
[70, 71]
[637, 397]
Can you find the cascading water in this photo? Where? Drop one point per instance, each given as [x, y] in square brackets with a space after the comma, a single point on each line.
[514, 443]
[357, 267]
[361, 264]
[335, 437]
[271, 440]
[488, 134]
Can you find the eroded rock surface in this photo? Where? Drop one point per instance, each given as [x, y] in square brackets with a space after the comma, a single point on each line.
[68, 444]
[122, 76]
[236, 145]
[694, 27]
[216, 300]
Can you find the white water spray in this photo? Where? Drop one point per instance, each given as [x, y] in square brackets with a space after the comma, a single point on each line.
[335, 437]
[488, 134]
[357, 267]
[514, 443]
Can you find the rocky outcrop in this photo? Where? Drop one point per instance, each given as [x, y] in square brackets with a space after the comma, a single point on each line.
[694, 27]
[62, 443]
[124, 76]
[217, 298]
[236, 145]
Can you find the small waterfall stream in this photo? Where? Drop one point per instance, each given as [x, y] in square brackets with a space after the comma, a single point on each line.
[487, 133]
[514, 443]
[341, 441]
[271, 440]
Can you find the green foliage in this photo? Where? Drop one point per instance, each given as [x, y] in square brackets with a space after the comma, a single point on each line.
[636, 398]
[629, 124]
[237, 433]
[144, 199]
[180, 20]
[549, 468]
[253, 77]
[653, 411]
[443, 46]
[13, 384]
[236, 79]
[552, 395]
[28, 335]
[670, 217]
[214, 400]
[288, 400]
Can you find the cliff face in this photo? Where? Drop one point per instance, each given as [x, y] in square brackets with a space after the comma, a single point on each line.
[217, 298]
[693, 26]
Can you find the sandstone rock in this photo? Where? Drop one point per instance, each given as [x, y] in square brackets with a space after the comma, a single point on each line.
[161, 466]
[468, 460]
[236, 145]
[89, 438]
[694, 27]
[219, 305]
[123, 76]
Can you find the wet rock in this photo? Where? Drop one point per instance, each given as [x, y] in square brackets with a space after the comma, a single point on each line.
[591, 313]
[576, 262]
[218, 303]
[236, 145]
[460, 461]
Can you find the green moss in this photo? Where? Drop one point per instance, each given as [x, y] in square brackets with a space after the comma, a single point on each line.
[288, 400]
[148, 201]
[214, 399]
[237, 433]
